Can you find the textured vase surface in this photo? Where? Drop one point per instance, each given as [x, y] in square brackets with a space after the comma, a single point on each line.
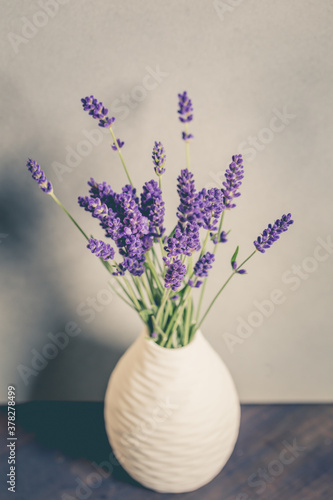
[172, 415]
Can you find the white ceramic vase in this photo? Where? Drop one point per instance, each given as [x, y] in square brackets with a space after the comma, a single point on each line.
[172, 415]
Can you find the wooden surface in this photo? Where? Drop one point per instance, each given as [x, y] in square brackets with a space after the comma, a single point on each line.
[284, 452]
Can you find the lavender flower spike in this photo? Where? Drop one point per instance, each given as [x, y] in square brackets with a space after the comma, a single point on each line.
[185, 108]
[203, 265]
[101, 249]
[186, 114]
[152, 207]
[272, 233]
[234, 176]
[97, 110]
[39, 176]
[120, 145]
[175, 274]
[159, 158]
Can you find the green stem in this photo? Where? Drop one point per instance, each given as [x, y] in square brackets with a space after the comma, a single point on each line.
[137, 285]
[166, 314]
[146, 287]
[120, 155]
[204, 245]
[124, 289]
[161, 308]
[156, 258]
[176, 322]
[219, 232]
[201, 299]
[162, 252]
[120, 283]
[68, 214]
[132, 294]
[58, 202]
[205, 280]
[119, 295]
[187, 143]
[187, 320]
[177, 315]
[222, 288]
[154, 273]
[190, 266]
[169, 341]
[150, 281]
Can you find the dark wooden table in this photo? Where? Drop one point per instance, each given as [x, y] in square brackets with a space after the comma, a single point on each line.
[284, 452]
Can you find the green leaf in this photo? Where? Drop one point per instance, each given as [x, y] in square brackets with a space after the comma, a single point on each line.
[234, 257]
[147, 313]
[144, 316]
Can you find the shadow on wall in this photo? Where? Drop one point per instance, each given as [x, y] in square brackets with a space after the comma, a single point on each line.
[35, 305]
[82, 368]
[20, 217]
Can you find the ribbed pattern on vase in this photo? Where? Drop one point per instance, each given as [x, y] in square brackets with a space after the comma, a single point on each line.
[172, 415]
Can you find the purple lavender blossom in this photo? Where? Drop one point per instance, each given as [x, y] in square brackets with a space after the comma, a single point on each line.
[120, 145]
[187, 137]
[203, 208]
[159, 158]
[135, 227]
[97, 110]
[272, 233]
[175, 274]
[184, 241]
[135, 264]
[185, 108]
[152, 207]
[191, 238]
[101, 249]
[216, 238]
[203, 265]
[103, 191]
[234, 266]
[189, 209]
[211, 206]
[39, 176]
[195, 284]
[94, 206]
[234, 176]
[123, 222]
[128, 209]
[223, 237]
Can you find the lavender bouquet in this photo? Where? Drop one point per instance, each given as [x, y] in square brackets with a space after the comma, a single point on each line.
[155, 272]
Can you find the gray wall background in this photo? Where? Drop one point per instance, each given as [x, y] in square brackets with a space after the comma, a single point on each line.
[243, 63]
